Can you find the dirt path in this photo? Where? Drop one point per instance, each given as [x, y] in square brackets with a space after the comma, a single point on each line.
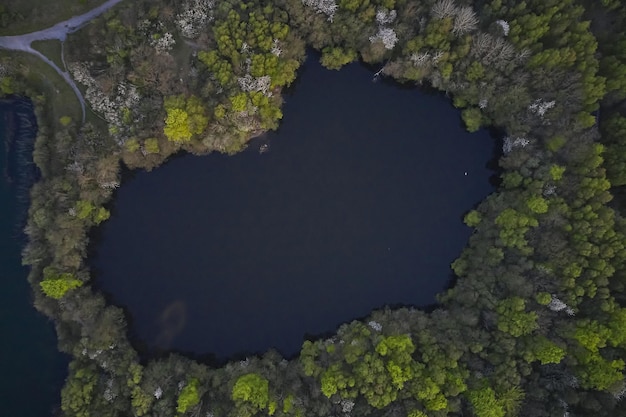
[58, 32]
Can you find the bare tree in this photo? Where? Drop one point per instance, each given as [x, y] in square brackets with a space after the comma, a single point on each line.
[443, 9]
[420, 59]
[491, 50]
[465, 21]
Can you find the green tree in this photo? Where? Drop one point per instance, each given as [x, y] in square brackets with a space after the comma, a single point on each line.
[84, 209]
[56, 285]
[513, 318]
[484, 403]
[80, 390]
[556, 172]
[546, 351]
[537, 204]
[101, 215]
[252, 388]
[514, 226]
[188, 397]
[57, 288]
[473, 118]
[186, 117]
[473, 218]
[334, 57]
[151, 145]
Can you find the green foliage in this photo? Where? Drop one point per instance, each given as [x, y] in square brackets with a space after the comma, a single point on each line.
[220, 111]
[614, 131]
[394, 346]
[140, 400]
[101, 215]
[472, 219]
[475, 72]
[56, 285]
[473, 118]
[598, 373]
[514, 226]
[334, 379]
[79, 390]
[546, 351]
[484, 403]
[335, 58]
[132, 145]
[555, 143]
[592, 335]
[188, 397]
[251, 88]
[288, 403]
[537, 204]
[543, 298]
[398, 350]
[513, 318]
[65, 120]
[512, 179]
[556, 172]
[221, 68]
[186, 117]
[151, 146]
[558, 38]
[253, 389]
[7, 86]
[308, 353]
[57, 288]
[511, 401]
[84, 209]
[239, 102]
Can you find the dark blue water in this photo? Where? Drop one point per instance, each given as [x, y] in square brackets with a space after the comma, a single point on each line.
[32, 369]
[358, 204]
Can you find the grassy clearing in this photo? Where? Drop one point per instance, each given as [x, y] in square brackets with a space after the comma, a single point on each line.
[60, 98]
[33, 15]
[51, 49]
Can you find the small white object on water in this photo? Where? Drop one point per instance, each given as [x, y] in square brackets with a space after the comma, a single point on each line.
[466, 173]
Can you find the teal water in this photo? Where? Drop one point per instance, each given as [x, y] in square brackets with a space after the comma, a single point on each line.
[32, 368]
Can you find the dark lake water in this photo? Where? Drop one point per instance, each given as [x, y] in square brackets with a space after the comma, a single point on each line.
[32, 369]
[358, 204]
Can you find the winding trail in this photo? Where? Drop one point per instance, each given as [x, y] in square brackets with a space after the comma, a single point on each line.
[56, 32]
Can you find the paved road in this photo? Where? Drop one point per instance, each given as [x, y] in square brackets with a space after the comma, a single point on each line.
[58, 32]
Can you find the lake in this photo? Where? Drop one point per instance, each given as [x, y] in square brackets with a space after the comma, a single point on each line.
[357, 204]
[32, 368]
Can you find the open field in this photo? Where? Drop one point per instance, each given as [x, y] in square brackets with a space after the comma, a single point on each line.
[33, 15]
[61, 100]
[51, 49]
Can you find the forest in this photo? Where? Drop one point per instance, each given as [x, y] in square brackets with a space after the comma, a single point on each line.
[535, 324]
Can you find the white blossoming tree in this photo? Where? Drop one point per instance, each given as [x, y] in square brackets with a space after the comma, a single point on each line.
[327, 7]
[385, 34]
[194, 15]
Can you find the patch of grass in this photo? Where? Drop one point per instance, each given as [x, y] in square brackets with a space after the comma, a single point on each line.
[51, 49]
[33, 15]
[60, 98]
